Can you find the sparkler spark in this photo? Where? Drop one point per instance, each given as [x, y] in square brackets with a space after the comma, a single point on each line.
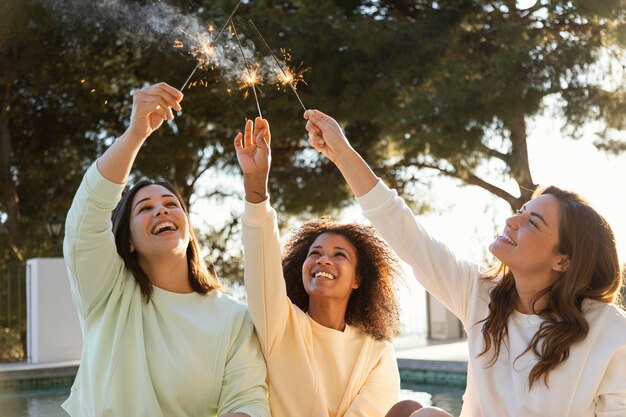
[251, 78]
[288, 78]
[208, 47]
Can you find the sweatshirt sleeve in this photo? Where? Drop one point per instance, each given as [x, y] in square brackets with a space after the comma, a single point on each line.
[611, 398]
[380, 390]
[89, 245]
[434, 266]
[268, 303]
[243, 387]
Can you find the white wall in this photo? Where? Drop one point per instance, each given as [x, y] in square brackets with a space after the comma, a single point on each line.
[53, 332]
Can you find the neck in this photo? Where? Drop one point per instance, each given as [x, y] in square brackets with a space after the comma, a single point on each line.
[169, 272]
[328, 313]
[528, 286]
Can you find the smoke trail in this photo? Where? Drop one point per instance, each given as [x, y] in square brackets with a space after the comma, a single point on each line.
[145, 24]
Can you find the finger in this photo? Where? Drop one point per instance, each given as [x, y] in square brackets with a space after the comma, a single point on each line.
[165, 100]
[258, 126]
[159, 106]
[247, 139]
[311, 128]
[267, 137]
[176, 94]
[238, 142]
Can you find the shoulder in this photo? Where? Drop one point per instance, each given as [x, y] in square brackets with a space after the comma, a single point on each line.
[608, 321]
[234, 310]
[377, 347]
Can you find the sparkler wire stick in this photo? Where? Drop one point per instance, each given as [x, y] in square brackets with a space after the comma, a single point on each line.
[287, 77]
[213, 42]
[249, 68]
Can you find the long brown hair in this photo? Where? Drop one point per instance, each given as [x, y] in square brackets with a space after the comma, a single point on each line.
[200, 279]
[593, 272]
[373, 307]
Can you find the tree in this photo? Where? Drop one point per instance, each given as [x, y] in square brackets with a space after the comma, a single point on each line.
[446, 86]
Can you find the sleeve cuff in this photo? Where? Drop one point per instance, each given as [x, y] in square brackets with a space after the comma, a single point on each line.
[256, 214]
[98, 185]
[376, 196]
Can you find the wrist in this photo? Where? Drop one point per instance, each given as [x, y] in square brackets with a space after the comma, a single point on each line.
[346, 157]
[255, 187]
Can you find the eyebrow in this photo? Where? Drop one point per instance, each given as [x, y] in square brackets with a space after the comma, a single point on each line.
[148, 198]
[336, 247]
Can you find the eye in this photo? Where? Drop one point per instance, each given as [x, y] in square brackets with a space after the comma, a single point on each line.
[341, 254]
[531, 221]
[314, 252]
[172, 204]
[143, 208]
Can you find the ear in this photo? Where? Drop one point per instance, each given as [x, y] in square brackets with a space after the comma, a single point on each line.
[356, 283]
[132, 247]
[561, 264]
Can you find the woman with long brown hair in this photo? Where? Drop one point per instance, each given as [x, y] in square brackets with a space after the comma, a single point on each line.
[160, 338]
[545, 334]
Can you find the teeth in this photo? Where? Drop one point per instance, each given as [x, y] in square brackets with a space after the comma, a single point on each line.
[325, 275]
[508, 239]
[161, 226]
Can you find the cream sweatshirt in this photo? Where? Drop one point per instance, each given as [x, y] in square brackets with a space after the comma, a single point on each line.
[313, 371]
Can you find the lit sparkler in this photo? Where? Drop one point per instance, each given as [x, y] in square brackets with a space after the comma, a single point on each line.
[207, 47]
[287, 77]
[251, 79]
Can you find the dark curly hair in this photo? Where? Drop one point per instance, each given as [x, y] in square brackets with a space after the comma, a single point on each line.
[373, 307]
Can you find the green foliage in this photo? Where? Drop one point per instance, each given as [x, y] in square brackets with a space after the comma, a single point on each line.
[416, 84]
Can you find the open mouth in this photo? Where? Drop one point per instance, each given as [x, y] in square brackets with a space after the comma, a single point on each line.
[326, 275]
[164, 227]
[508, 239]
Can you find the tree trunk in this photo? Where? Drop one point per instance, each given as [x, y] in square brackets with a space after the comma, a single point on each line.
[8, 193]
[520, 168]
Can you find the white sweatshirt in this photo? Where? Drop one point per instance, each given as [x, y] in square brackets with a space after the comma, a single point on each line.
[591, 382]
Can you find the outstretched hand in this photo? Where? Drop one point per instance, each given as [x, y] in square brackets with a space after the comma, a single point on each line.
[151, 107]
[325, 134]
[254, 157]
[253, 147]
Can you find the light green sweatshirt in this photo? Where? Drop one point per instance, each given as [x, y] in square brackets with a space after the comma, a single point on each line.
[178, 355]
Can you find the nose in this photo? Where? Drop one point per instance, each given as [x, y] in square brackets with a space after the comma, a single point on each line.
[514, 221]
[161, 210]
[323, 260]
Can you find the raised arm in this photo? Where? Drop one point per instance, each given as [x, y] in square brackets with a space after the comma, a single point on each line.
[263, 275]
[89, 246]
[433, 264]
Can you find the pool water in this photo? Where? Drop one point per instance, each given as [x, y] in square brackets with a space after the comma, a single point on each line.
[34, 403]
[47, 403]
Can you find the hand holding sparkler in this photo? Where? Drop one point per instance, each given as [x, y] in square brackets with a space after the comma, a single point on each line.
[325, 135]
[151, 107]
[254, 157]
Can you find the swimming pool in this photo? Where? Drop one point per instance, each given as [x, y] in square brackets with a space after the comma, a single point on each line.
[47, 403]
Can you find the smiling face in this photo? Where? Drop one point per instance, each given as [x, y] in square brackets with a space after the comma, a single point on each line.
[329, 270]
[158, 223]
[529, 242]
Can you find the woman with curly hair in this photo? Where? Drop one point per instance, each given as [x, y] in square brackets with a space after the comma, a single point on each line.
[545, 334]
[324, 317]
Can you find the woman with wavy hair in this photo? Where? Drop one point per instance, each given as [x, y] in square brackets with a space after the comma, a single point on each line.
[160, 338]
[326, 315]
[545, 334]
